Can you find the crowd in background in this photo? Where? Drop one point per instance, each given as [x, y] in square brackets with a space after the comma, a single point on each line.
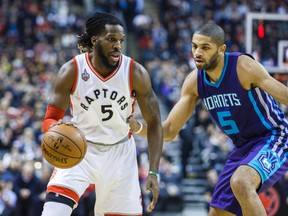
[37, 37]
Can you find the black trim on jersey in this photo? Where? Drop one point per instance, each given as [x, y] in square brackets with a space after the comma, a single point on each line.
[247, 54]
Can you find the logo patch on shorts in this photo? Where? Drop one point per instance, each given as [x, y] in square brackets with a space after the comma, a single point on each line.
[268, 161]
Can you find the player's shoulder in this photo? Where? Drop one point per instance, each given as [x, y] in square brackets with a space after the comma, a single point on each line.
[245, 62]
[245, 58]
[190, 82]
[67, 69]
[69, 65]
[192, 76]
[139, 69]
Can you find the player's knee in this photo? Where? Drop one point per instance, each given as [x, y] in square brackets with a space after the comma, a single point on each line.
[238, 185]
[212, 212]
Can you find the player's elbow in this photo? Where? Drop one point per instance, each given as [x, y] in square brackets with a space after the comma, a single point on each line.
[168, 133]
[168, 138]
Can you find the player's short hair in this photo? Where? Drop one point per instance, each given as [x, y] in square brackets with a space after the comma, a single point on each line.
[212, 30]
[95, 25]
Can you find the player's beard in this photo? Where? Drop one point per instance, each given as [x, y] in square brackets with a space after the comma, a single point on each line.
[212, 63]
[104, 59]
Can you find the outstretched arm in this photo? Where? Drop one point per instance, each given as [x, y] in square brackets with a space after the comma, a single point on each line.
[179, 114]
[149, 107]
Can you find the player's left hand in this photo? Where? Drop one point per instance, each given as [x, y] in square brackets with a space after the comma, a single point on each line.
[153, 186]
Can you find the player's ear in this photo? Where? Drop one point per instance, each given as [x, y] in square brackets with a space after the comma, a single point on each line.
[94, 40]
[222, 48]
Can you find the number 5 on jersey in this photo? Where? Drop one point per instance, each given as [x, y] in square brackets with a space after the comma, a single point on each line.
[225, 121]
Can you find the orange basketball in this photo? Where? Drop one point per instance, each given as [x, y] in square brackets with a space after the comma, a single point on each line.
[64, 146]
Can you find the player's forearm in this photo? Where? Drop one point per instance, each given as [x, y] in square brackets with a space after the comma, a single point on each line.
[168, 133]
[52, 115]
[140, 128]
[155, 142]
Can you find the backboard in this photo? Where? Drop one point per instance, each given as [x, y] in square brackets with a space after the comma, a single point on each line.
[267, 40]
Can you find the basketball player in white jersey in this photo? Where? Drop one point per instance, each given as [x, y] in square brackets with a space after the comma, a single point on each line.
[101, 86]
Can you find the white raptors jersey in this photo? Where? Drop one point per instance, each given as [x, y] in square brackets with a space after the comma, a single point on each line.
[100, 105]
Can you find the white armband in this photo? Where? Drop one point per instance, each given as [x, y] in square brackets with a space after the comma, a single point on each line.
[141, 127]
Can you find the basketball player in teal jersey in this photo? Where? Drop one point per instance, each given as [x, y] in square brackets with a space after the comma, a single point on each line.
[101, 86]
[241, 98]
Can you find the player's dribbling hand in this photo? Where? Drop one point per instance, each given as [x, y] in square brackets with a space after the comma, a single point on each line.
[60, 121]
[153, 186]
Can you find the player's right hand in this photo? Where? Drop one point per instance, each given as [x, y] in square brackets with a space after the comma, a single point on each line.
[60, 121]
[134, 124]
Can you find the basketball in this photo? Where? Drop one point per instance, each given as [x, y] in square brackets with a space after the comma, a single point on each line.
[64, 146]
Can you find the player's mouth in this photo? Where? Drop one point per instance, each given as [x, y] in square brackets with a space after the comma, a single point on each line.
[115, 56]
[199, 61]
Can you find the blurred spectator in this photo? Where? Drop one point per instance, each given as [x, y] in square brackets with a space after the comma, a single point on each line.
[284, 187]
[40, 191]
[187, 144]
[8, 198]
[12, 160]
[26, 186]
[212, 177]
[86, 203]
[6, 137]
[170, 198]
[26, 143]
[216, 149]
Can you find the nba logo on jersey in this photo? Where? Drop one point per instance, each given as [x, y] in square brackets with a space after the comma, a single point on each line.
[267, 161]
[85, 76]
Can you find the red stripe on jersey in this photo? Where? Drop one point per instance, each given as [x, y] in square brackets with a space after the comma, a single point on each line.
[130, 76]
[76, 75]
[130, 86]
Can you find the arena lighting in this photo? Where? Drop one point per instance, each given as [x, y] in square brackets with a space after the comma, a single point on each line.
[38, 165]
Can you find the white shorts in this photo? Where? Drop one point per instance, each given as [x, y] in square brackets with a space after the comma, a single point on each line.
[113, 170]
